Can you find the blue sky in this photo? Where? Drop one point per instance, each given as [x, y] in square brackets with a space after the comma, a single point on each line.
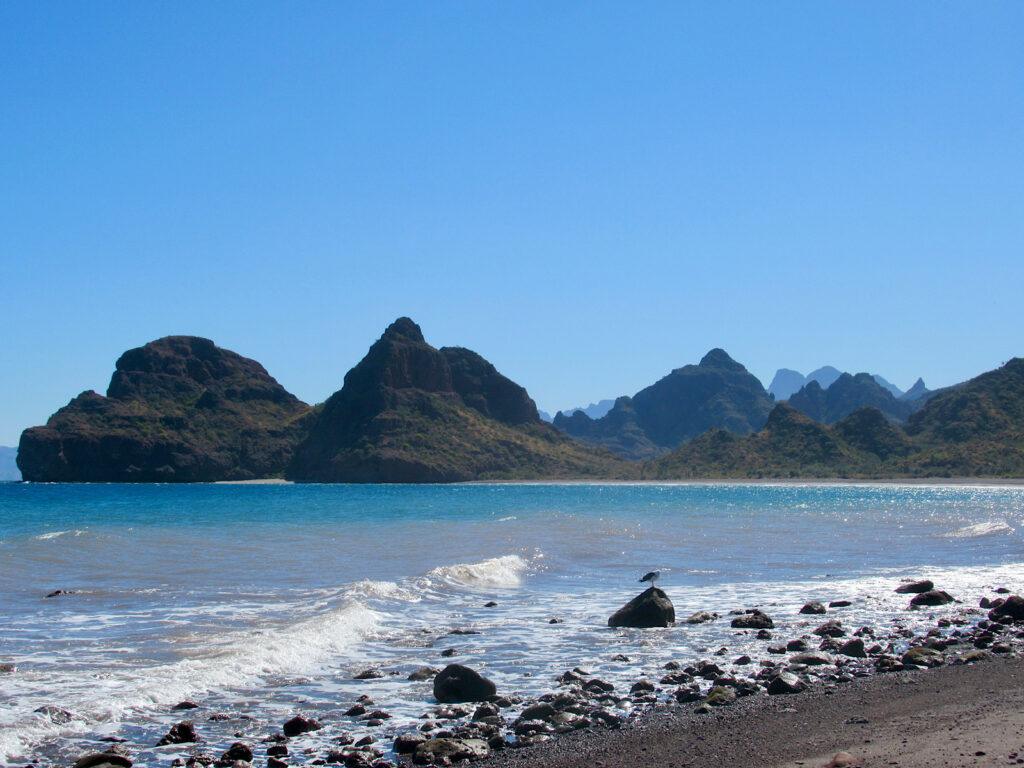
[588, 194]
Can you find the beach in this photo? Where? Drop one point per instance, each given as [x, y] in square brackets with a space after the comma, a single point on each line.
[963, 715]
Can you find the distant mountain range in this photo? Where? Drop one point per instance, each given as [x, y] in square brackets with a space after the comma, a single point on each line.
[8, 467]
[181, 409]
[716, 393]
[973, 430]
[788, 382]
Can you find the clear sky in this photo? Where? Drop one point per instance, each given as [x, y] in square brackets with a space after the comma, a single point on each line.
[588, 194]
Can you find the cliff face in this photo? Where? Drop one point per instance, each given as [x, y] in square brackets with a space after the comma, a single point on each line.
[177, 409]
[411, 413]
[719, 393]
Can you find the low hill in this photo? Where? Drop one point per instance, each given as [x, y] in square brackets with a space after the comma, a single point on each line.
[718, 393]
[177, 409]
[411, 413]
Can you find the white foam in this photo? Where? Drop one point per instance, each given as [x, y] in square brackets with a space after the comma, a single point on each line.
[56, 534]
[234, 659]
[388, 590]
[502, 572]
[980, 529]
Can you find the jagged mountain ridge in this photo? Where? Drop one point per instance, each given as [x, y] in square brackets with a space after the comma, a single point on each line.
[716, 393]
[411, 413]
[973, 430]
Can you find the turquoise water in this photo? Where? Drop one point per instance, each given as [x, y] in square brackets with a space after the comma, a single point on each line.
[265, 599]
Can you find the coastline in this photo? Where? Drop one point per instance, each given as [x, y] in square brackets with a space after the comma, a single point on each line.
[959, 715]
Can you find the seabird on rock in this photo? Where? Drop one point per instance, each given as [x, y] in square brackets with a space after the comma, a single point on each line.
[651, 577]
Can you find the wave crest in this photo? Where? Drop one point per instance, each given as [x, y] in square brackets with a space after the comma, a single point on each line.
[502, 572]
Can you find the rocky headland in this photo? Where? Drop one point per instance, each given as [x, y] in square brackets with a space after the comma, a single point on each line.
[179, 409]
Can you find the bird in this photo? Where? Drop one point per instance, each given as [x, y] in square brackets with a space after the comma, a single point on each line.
[651, 577]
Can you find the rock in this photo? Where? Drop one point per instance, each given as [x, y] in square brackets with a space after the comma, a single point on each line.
[840, 604]
[449, 652]
[103, 760]
[406, 743]
[8, 669]
[786, 683]
[369, 674]
[56, 715]
[832, 628]
[923, 657]
[742, 661]
[180, 733]
[355, 710]
[853, 647]
[277, 750]
[700, 617]
[651, 608]
[185, 705]
[764, 634]
[797, 645]
[812, 658]
[813, 607]
[720, 696]
[300, 724]
[1012, 607]
[456, 683]
[437, 751]
[915, 587]
[841, 760]
[274, 762]
[642, 686]
[490, 604]
[688, 693]
[62, 592]
[237, 751]
[934, 597]
[423, 673]
[755, 619]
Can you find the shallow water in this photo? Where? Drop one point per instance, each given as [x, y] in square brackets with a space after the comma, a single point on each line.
[263, 601]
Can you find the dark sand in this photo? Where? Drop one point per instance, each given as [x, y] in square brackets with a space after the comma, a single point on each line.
[966, 715]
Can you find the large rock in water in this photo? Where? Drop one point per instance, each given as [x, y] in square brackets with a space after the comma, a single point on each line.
[179, 409]
[651, 608]
[456, 683]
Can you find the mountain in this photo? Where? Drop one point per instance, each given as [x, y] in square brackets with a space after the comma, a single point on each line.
[718, 393]
[973, 430]
[825, 376]
[408, 412]
[846, 394]
[786, 382]
[9, 471]
[893, 389]
[177, 409]
[916, 392]
[594, 410]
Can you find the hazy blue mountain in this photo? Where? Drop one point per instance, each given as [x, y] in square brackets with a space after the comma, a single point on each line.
[544, 416]
[896, 391]
[825, 376]
[594, 410]
[8, 468]
[786, 383]
[916, 392]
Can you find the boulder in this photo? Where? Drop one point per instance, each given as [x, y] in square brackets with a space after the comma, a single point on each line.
[720, 696]
[406, 743]
[300, 724]
[423, 673]
[753, 619]
[812, 658]
[456, 683]
[103, 760]
[813, 607]
[180, 733]
[786, 683]
[237, 751]
[1012, 607]
[700, 617]
[923, 657]
[651, 608]
[832, 628]
[932, 597]
[915, 587]
[853, 647]
[448, 750]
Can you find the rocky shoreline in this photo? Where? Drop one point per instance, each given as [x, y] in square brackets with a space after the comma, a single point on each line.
[583, 714]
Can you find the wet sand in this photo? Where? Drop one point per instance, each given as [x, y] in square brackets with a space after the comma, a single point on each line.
[963, 715]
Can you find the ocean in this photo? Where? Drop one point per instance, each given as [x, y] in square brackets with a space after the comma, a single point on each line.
[259, 602]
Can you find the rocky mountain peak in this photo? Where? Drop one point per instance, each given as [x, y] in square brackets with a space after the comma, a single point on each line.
[719, 358]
